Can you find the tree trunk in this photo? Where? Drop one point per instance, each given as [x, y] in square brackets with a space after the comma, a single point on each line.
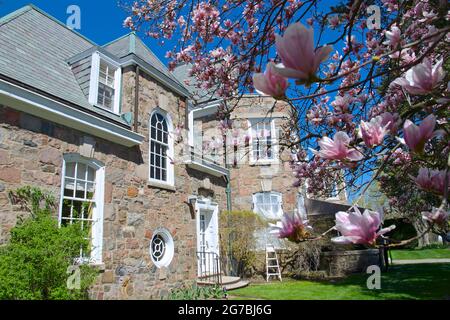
[420, 228]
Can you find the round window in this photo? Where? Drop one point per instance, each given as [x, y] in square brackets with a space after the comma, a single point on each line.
[161, 248]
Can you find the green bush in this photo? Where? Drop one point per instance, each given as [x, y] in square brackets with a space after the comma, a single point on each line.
[197, 293]
[34, 265]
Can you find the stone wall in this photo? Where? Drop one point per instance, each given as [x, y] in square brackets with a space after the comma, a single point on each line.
[340, 263]
[31, 153]
[247, 178]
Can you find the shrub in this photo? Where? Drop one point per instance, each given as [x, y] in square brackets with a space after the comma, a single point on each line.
[197, 293]
[237, 237]
[34, 264]
[304, 259]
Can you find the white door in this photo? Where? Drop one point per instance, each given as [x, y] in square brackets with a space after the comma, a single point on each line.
[207, 239]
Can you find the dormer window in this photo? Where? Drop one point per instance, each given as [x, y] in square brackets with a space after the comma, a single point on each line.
[105, 83]
[106, 90]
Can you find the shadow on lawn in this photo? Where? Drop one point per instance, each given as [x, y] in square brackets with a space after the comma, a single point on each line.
[418, 281]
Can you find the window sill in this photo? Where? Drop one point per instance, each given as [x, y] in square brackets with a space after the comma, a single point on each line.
[161, 185]
[263, 162]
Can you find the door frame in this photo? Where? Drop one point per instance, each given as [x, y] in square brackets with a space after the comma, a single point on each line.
[204, 204]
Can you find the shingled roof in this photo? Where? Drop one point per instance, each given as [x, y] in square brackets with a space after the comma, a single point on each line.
[36, 50]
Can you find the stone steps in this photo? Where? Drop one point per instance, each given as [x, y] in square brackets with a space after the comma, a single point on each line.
[237, 285]
[229, 283]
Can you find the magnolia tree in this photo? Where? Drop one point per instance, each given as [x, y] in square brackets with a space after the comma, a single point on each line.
[367, 83]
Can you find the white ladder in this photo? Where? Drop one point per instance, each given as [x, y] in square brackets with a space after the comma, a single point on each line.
[272, 266]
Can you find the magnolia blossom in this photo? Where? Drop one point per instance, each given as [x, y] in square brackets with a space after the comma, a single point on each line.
[390, 121]
[338, 148]
[422, 78]
[431, 180]
[270, 82]
[373, 132]
[416, 136]
[393, 36]
[359, 228]
[437, 216]
[292, 227]
[299, 58]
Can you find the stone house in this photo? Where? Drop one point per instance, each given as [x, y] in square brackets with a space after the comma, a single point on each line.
[99, 127]
[95, 124]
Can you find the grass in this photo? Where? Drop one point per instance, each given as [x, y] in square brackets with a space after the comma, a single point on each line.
[414, 254]
[420, 281]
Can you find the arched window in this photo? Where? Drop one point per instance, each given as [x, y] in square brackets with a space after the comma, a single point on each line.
[161, 148]
[81, 203]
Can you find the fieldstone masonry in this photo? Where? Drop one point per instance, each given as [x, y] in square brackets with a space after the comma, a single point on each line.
[31, 153]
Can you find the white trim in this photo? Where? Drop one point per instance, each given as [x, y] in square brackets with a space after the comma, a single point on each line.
[206, 110]
[279, 195]
[274, 137]
[97, 226]
[204, 204]
[191, 128]
[170, 150]
[93, 81]
[200, 166]
[97, 57]
[118, 89]
[40, 106]
[169, 250]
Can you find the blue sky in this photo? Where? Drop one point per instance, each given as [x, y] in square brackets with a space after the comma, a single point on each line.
[101, 20]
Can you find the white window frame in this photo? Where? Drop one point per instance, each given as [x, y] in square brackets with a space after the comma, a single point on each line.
[97, 217]
[169, 246]
[170, 151]
[273, 132]
[97, 57]
[279, 213]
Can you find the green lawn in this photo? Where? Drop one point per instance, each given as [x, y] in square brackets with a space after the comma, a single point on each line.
[421, 254]
[426, 281]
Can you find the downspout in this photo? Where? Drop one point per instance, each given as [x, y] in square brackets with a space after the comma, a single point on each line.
[229, 206]
[227, 177]
[136, 99]
[228, 192]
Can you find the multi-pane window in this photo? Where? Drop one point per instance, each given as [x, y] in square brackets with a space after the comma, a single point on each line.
[106, 89]
[159, 147]
[262, 137]
[268, 205]
[158, 248]
[80, 203]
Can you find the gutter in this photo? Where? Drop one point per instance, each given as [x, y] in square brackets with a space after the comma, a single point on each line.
[78, 118]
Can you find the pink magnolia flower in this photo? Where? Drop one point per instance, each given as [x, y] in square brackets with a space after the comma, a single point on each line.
[292, 227]
[270, 82]
[416, 136]
[422, 78]
[373, 132]
[393, 36]
[359, 228]
[431, 180]
[437, 216]
[334, 21]
[338, 148]
[390, 121]
[299, 58]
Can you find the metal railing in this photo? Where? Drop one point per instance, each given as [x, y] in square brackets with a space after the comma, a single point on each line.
[209, 268]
